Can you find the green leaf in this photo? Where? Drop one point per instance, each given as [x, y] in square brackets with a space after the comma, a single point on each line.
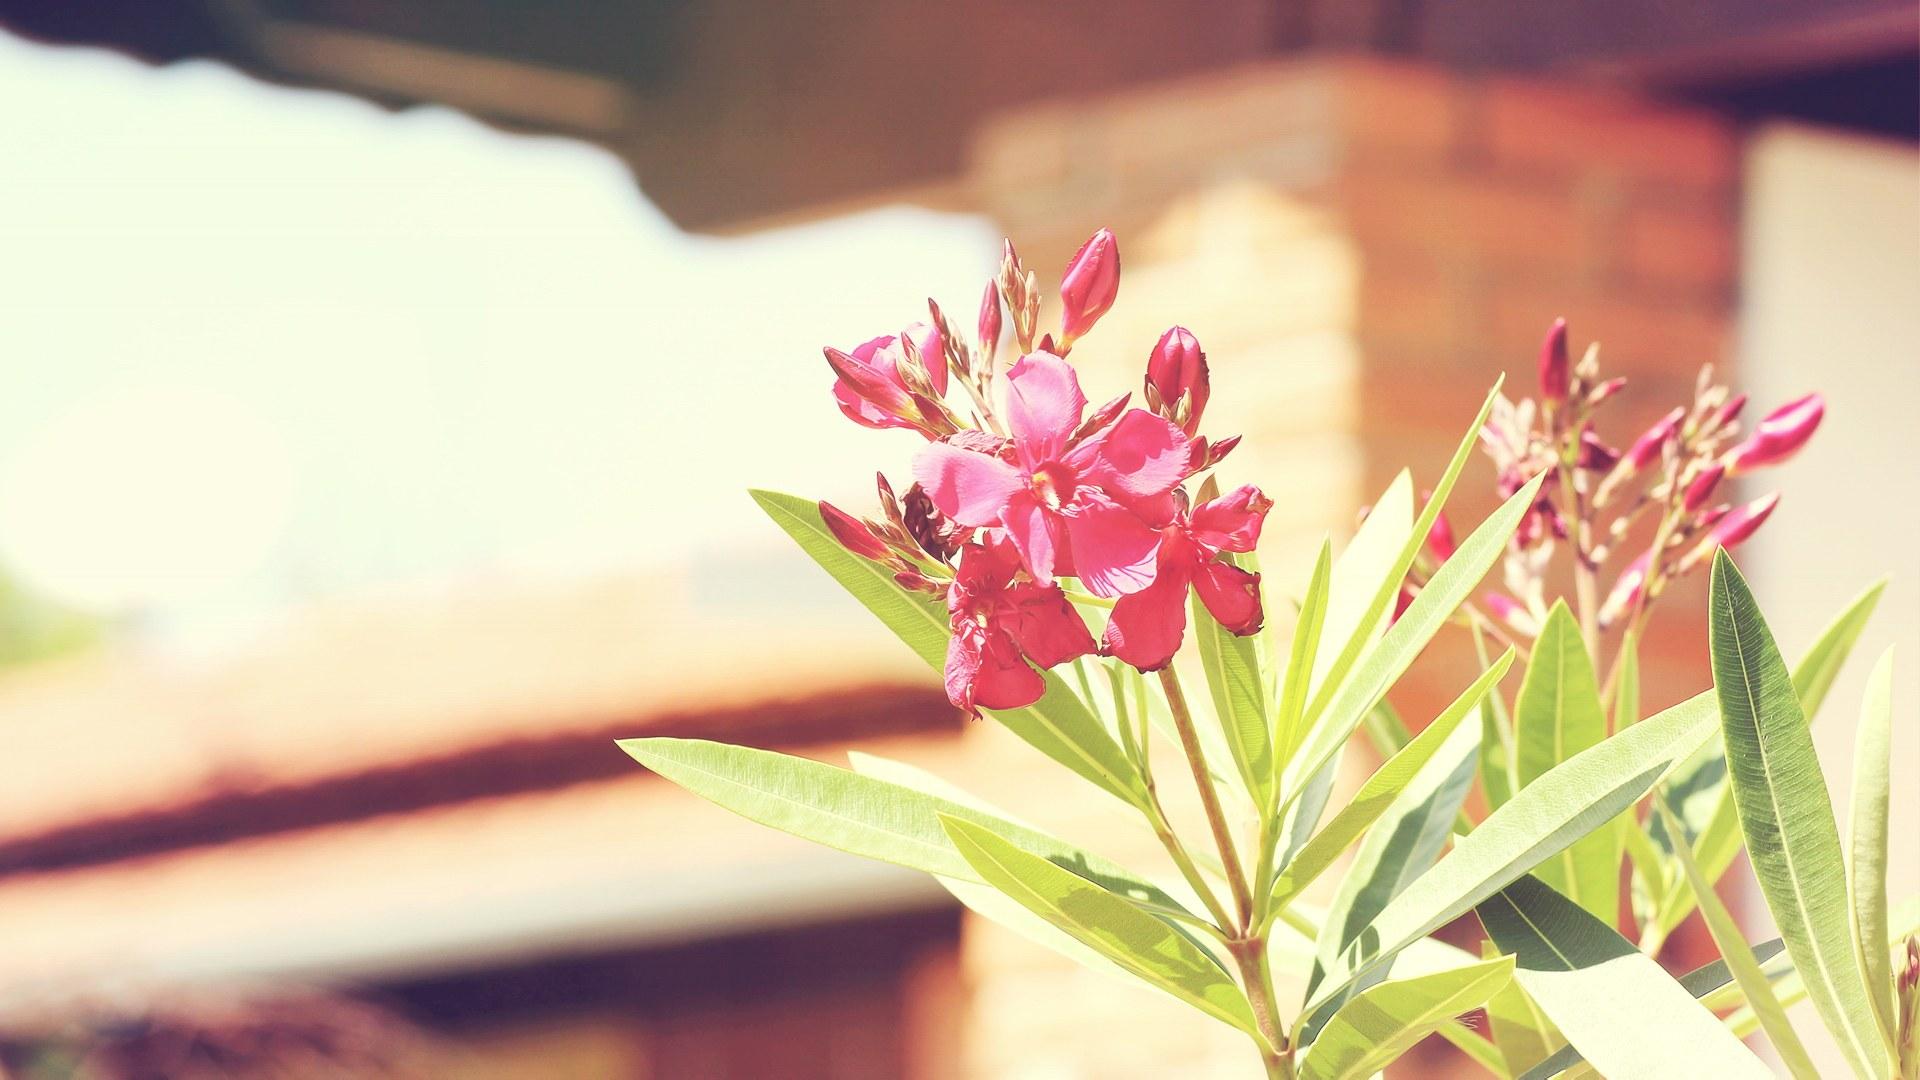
[1400, 847]
[1699, 792]
[1741, 962]
[1496, 740]
[1375, 1028]
[858, 814]
[1404, 640]
[1387, 586]
[1576, 797]
[1787, 817]
[1238, 688]
[1366, 561]
[1626, 1015]
[1558, 714]
[1109, 925]
[1381, 789]
[1303, 654]
[1523, 1044]
[1059, 725]
[1702, 982]
[1867, 840]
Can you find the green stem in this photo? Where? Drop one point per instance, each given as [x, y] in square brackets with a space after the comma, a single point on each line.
[1209, 797]
[1250, 954]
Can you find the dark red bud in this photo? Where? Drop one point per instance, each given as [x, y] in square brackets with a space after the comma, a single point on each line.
[1730, 411]
[1177, 368]
[853, 534]
[1553, 363]
[1647, 447]
[1701, 488]
[990, 319]
[1779, 436]
[1595, 455]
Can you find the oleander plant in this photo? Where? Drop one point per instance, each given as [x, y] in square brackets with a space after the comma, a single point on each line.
[1085, 578]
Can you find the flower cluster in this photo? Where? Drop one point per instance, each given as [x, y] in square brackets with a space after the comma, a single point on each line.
[1671, 473]
[1021, 486]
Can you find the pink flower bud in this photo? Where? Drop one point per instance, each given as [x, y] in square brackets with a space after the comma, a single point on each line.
[1701, 487]
[1779, 436]
[1595, 455]
[1177, 368]
[1440, 537]
[1606, 390]
[990, 319]
[1553, 364]
[853, 534]
[1730, 411]
[1089, 285]
[1742, 522]
[1628, 589]
[1647, 447]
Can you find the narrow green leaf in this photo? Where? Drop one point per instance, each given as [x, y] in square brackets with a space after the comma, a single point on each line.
[1577, 796]
[1374, 1029]
[1867, 840]
[857, 814]
[1302, 656]
[1059, 725]
[1699, 791]
[1741, 962]
[1608, 998]
[1387, 587]
[1381, 789]
[1526, 1043]
[1238, 688]
[1400, 847]
[1557, 715]
[1650, 883]
[1702, 982]
[1787, 817]
[1496, 740]
[1329, 729]
[1103, 922]
[1366, 560]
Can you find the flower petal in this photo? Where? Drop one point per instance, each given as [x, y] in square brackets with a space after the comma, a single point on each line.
[1035, 534]
[1140, 457]
[970, 488]
[1231, 595]
[963, 666]
[1046, 627]
[1044, 404]
[1004, 679]
[1146, 627]
[1232, 521]
[1113, 551]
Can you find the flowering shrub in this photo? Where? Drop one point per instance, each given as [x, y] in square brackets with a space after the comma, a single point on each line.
[1041, 539]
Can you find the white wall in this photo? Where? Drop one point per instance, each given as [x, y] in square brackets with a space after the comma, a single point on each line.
[1831, 302]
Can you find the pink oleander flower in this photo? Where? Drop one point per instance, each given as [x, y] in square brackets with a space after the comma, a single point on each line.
[1731, 528]
[1778, 437]
[1146, 627]
[1646, 448]
[873, 393]
[1088, 287]
[1072, 501]
[1177, 370]
[1002, 627]
[1554, 368]
[1700, 488]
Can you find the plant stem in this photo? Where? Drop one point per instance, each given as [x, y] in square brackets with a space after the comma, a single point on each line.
[1585, 592]
[1209, 798]
[1250, 954]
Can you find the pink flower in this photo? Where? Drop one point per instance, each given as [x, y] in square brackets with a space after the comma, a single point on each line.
[1146, 626]
[1002, 627]
[1731, 528]
[1553, 363]
[870, 388]
[1647, 447]
[1628, 589]
[1778, 437]
[1091, 282]
[853, 534]
[1439, 538]
[1177, 369]
[1070, 501]
[989, 321]
[1700, 488]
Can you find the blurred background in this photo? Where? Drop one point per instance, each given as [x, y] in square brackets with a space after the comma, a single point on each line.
[383, 378]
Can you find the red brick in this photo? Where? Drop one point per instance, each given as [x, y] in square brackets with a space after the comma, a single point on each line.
[1690, 248]
[1573, 130]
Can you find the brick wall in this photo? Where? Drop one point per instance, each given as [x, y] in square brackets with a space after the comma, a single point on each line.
[1362, 248]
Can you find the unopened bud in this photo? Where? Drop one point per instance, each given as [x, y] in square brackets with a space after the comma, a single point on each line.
[1606, 390]
[1177, 369]
[853, 534]
[1595, 455]
[1647, 447]
[1512, 612]
[989, 327]
[1730, 411]
[1629, 589]
[1101, 417]
[1440, 537]
[1088, 287]
[1220, 448]
[1731, 528]
[1553, 364]
[1700, 489]
[1779, 436]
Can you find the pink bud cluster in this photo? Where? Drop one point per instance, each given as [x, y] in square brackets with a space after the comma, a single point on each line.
[1674, 472]
[1020, 486]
